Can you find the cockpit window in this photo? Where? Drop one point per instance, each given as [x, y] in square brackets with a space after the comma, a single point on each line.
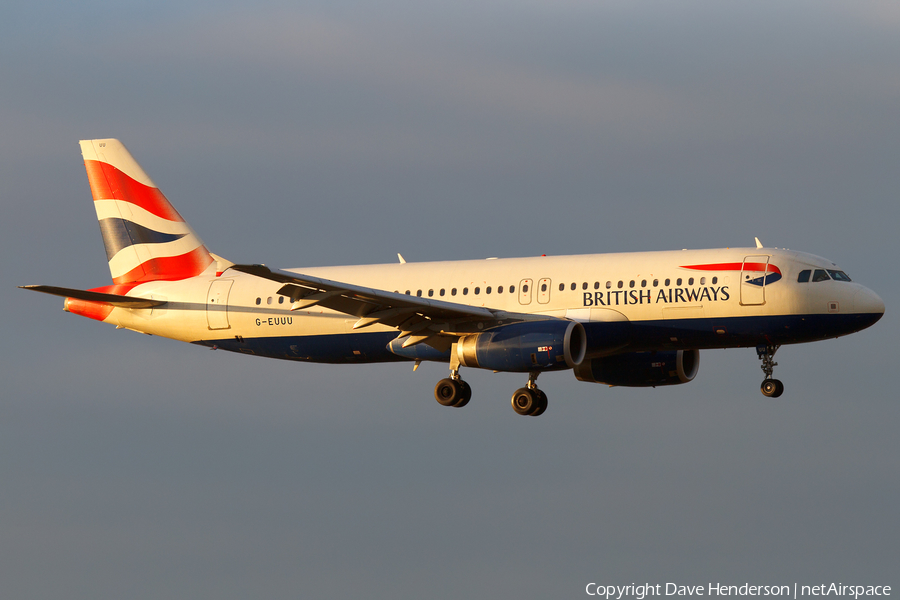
[838, 275]
[820, 275]
[804, 276]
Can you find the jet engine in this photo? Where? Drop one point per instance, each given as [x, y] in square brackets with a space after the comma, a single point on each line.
[526, 346]
[519, 347]
[641, 369]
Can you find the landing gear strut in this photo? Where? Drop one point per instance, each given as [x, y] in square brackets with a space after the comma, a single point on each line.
[529, 400]
[770, 387]
[453, 391]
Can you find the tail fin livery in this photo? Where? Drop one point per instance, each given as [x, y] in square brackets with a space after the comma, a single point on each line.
[145, 237]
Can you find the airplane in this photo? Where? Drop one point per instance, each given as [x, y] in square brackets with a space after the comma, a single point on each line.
[629, 319]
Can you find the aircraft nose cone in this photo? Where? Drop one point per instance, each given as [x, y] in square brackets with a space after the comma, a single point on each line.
[865, 301]
[868, 301]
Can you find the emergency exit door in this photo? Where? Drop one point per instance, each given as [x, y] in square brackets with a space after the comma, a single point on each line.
[543, 291]
[525, 291]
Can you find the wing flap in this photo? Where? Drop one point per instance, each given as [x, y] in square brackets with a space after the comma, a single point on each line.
[360, 301]
[434, 322]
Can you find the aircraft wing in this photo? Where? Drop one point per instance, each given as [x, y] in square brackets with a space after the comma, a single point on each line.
[435, 322]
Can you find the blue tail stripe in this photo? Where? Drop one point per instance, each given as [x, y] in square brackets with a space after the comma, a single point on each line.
[120, 233]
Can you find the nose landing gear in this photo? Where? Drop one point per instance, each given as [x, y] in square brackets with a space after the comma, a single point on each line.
[769, 387]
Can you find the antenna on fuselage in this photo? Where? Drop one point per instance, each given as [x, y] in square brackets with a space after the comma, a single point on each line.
[758, 243]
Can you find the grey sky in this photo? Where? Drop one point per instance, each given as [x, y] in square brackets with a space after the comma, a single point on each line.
[342, 133]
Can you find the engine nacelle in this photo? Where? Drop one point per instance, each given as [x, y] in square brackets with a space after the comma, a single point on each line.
[641, 369]
[526, 346]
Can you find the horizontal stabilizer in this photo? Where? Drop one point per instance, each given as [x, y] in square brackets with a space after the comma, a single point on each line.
[114, 299]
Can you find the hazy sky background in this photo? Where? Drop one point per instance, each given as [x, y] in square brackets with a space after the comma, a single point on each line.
[345, 132]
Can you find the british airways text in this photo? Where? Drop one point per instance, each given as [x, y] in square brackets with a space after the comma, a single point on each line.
[669, 296]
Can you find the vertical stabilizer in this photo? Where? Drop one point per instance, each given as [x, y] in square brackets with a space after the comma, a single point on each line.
[145, 237]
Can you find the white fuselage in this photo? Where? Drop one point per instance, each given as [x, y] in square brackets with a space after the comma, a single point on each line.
[626, 301]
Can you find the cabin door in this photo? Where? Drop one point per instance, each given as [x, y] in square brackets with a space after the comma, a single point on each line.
[217, 304]
[753, 280]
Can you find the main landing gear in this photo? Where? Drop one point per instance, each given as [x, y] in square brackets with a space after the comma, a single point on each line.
[529, 400]
[770, 387]
[455, 392]
[452, 391]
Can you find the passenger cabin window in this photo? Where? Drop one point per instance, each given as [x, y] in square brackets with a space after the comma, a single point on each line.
[631, 283]
[442, 291]
[668, 281]
[488, 290]
[419, 293]
[643, 283]
[573, 285]
[453, 292]
[430, 293]
[499, 289]
[691, 281]
[465, 291]
[715, 280]
[596, 285]
[820, 275]
[477, 291]
[512, 289]
[656, 283]
[608, 284]
[838, 275]
[280, 299]
[259, 300]
[803, 277]
[562, 286]
[584, 285]
[678, 281]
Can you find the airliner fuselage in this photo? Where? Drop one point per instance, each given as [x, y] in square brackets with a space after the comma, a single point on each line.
[633, 319]
[640, 301]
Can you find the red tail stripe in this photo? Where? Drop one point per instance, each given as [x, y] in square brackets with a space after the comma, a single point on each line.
[109, 182]
[92, 310]
[769, 268]
[98, 310]
[168, 268]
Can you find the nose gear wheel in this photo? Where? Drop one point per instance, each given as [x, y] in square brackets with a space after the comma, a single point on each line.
[771, 388]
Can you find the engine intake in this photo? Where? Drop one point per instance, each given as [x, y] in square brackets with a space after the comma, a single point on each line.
[641, 369]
